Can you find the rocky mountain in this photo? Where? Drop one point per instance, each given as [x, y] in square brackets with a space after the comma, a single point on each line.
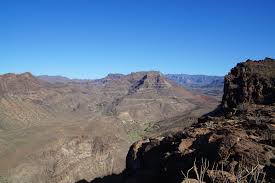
[208, 85]
[59, 131]
[196, 81]
[231, 144]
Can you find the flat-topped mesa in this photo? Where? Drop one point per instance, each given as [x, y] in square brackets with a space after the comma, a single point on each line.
[114, 76]
[250, 82]
[147, 80]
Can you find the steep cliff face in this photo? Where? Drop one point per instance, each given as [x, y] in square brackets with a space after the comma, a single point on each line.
[250, 82]
[227, 148]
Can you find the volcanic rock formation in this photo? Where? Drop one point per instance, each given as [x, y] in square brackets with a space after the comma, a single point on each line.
[250, 82]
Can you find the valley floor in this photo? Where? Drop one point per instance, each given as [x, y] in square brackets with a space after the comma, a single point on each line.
[41, 147]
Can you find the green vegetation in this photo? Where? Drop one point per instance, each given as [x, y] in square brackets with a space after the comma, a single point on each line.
[137, 131]
[3, 179]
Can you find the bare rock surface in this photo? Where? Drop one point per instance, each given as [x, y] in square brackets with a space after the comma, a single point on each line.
[250, 82]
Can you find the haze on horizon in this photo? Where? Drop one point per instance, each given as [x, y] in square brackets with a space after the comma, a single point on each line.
[89, 39]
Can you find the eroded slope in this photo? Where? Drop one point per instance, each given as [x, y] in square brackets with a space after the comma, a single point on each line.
[61, 132]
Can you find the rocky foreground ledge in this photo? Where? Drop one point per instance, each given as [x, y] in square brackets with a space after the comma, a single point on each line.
[235, 143]
[227, 146]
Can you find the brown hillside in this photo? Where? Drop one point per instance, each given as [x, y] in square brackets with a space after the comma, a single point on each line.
[50, 131]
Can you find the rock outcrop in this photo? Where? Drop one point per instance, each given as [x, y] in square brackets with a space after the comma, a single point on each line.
[229, 148]
[250, 82]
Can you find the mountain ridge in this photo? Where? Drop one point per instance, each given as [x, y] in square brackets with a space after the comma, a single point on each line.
[198, 80]
[205, 84]
[44, 120]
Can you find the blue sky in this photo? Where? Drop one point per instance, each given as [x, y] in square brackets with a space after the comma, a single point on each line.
[91, 38]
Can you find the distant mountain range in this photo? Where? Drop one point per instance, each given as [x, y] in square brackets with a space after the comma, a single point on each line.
[186, 80]
[60, 79]
[208, 85]
[197, 81]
